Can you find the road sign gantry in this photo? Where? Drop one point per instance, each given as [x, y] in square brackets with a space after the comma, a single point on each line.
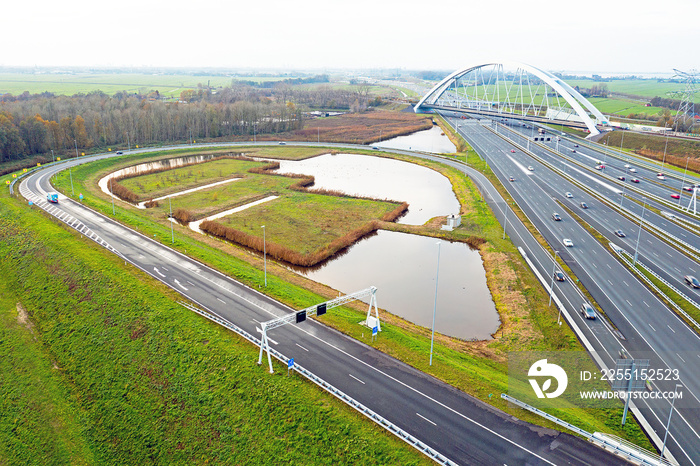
[319, 309]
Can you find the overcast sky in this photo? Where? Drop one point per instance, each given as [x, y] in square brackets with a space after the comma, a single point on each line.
[606, 36]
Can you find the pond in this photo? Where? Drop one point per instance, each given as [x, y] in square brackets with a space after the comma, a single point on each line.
[428, 193]
[429, 140]
[403, 266]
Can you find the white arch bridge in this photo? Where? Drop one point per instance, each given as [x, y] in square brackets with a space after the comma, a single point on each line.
[514, 90]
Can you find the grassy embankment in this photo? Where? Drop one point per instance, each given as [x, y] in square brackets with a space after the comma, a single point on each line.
[678, 151]
[115, 372]
[478, 368]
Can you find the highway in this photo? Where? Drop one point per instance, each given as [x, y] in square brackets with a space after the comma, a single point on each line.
[460, 427]
[647, 328]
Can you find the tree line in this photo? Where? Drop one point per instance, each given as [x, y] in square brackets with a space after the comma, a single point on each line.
[32, 124]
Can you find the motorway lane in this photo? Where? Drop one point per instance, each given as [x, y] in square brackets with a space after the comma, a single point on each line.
[654, 254]
[585, 265]
[465, 430]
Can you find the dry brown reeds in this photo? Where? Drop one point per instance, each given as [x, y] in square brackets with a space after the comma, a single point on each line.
[121, 192]
[151, 203]
[183, 216]
[283, 253]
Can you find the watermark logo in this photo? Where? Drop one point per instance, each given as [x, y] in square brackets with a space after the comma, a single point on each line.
[542, 368]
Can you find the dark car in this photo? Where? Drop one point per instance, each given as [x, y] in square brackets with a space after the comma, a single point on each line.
[619, 233]
[575, 145]
[119, 152]
[587, 311]
[688, 188]
[560, 277]
[621, 178]
[692, 281]
[635, 180]
[556, 217]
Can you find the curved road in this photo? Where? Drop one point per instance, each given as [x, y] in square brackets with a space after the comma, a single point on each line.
[455, 424]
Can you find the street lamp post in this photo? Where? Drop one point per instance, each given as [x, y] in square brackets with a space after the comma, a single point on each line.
[639, 233]
[551, 286]
[665, 146]
[70, 172]
[668, 423]
[172, 232]
[128, 141]
[437, 273]
[52, 157]
[680, 193]
[111, 193]
[505, 219]
[76, 148]
[264, 254]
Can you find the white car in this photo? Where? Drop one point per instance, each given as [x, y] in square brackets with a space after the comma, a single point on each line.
[569, 195]
[531, 168]
[567, 242]
[633, 170]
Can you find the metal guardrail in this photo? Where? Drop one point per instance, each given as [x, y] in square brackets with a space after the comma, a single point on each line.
[345, 398]
[619, 447]
[623, 255]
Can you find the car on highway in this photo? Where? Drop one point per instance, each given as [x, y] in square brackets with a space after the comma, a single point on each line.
[621, 178]
[584, 205]
[375, 147]
[52, 197]
[568, 243]
[661, 176]
[556, 217]
[676, 196]
[633, 170]
[573, 150]
[119, 152]
[513, 151]
[531, 168]
[560, 277]
[512, 178]
[587, 311]
[688, 188]
[600, 167]
[619, 233]
[692, 281]
[569, 195]
[282, 143]
[627, 165]
[575, 145]
[635, 180]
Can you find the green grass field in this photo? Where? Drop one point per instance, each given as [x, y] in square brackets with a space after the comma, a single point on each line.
[622, 107]
[479, 369]
[111, 83]
[641, 87]
[115, 372]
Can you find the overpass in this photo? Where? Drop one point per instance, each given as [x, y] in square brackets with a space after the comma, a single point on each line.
[516, 91]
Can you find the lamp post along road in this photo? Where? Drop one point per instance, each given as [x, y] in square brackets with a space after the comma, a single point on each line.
[668, 423]
[639, 233]
[264, 254]
[551, 286]
[172, 233]
[432, 336]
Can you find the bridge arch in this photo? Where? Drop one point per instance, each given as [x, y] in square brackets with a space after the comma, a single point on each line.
[514, 89]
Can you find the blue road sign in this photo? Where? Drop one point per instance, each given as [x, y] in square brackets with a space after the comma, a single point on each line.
[31, 203]
[375, 329]
[290, 363]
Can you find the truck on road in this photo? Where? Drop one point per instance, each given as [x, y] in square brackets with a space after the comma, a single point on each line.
[52, 197]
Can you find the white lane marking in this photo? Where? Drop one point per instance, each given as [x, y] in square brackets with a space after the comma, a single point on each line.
[301, 347]
[158, 272]
[357, 379]
[180, 285]
[219, 299]
[628, 302]
[190, 282]
[679, 357]
[270, 339]
[652, 327]
[645, 303]
[426, 419]
[671, 328]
